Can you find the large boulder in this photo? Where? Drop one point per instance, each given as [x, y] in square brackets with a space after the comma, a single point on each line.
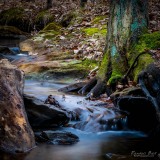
[149, 80]
[42, 115]
[16, 134]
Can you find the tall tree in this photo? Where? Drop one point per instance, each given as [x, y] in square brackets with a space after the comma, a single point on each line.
[128, 19]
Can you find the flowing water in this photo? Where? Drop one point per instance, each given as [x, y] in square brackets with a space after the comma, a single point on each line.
[93, 144]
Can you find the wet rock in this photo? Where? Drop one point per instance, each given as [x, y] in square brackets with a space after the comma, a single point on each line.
[131, 91]
[41, 115]
[141, 112]
[15, 131]
[149, 81]
[57, 137]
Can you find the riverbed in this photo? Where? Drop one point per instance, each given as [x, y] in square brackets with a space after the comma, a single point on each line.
[92, 145]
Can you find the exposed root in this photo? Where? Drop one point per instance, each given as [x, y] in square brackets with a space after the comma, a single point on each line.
[94, 88]
[88, 86]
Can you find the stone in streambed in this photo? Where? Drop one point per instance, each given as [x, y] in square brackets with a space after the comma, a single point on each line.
[57, 137]
[131, 91]
[41, 115]
[141, 112]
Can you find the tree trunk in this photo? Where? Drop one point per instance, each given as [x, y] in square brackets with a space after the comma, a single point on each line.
[128, 19]
[16, 134]
[82, 3]
[49, 4]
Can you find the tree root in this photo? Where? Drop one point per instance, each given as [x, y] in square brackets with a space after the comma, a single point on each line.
[94, 88]
[143, 77]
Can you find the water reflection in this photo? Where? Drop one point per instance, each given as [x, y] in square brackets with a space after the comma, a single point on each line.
[92, 146]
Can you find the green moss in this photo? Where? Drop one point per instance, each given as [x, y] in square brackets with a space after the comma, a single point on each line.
[93, 31]
[11, 30]
[103, 68]
[146, 42]
[97, 19]
[43, 18]
[114, 79]
[84, 66]
[144, 60]
[118, 69]
[50, 31]
[89, 63]
[52, 27]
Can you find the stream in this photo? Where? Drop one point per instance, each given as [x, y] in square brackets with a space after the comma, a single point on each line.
[93, 144]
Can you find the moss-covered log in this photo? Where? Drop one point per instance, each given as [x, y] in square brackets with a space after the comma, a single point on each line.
[128, 20]
[16, 134]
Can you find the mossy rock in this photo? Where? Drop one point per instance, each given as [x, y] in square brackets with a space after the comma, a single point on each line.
[15, 17]
[50, 31]
[43, 18]
[148, 41]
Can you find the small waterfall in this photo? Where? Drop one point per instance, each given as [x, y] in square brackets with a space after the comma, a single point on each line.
[124, 122]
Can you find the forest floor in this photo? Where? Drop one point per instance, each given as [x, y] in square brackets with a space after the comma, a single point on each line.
[71, 50]
[72, 41]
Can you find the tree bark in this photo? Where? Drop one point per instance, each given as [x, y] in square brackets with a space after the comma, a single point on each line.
[16, 134]
[128, 19]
